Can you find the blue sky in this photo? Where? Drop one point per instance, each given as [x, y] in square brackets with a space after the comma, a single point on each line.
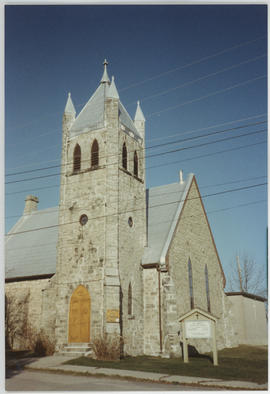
[195, 69]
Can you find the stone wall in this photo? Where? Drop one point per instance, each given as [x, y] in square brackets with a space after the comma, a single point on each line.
[151, 312]
[192, 240]
[23, 311]
[132, 233]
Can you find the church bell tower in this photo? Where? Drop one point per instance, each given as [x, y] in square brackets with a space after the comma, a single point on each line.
[102, 225]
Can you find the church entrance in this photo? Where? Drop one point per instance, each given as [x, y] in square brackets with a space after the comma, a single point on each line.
[79, 316]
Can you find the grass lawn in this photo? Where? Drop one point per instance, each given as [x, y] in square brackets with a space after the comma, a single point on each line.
[248, 363]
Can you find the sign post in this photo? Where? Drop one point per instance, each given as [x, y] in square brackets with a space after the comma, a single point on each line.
[198, 324]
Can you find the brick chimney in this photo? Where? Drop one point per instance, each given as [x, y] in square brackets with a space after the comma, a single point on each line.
[31, 203]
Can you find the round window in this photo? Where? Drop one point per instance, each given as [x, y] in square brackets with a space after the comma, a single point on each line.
[83, 219]
[130, 221]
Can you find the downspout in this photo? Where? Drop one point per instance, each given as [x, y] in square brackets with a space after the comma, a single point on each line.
[159, 310]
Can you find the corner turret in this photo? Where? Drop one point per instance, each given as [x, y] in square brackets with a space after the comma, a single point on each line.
[69, 114]
[112, 92]
[139, 120]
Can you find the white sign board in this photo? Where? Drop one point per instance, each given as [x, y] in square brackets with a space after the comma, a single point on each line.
[198, 329]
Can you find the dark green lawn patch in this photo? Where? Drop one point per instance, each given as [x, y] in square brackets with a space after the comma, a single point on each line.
[248, 363]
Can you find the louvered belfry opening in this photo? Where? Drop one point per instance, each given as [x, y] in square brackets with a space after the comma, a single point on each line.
[77, 158]
[124, 156]
[135, 170]
[94, 154]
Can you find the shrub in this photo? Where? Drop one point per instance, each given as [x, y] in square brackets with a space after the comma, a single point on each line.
[44, 346]
[107, 347]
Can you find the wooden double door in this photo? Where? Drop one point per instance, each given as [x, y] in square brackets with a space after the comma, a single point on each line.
[79, 316]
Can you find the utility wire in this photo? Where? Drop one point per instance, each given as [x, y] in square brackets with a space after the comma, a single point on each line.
[198, 79]
[205, 128]
[153, 206]
[47, 211]
[151, 155]
[144, 149]
[161, 138]
[159, 75]
[154, 166]
[208, 95]
[202, 59]
[197, 215]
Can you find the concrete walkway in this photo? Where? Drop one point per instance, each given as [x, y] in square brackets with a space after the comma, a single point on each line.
[55, 364]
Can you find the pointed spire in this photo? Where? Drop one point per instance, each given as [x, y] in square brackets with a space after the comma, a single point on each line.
[139, 114]
[112, 92]
[105, 78]
[69, 106]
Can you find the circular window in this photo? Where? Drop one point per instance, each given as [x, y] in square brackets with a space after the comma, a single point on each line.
[83, 219]
[130, 221]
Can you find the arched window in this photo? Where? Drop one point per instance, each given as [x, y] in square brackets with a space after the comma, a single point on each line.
[135, 168]
[190, 284]
[129, 299]
[94, 154]
[77, 158]
[207, 288]
[124, 156]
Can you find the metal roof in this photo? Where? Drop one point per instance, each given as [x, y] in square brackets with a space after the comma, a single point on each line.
[164, 205]
[92, 116]
[69, 106]
[30, 251]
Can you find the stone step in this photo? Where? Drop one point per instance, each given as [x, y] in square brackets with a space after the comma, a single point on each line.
[73, 354]
[76, 349]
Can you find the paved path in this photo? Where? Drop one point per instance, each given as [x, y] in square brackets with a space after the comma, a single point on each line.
[37, 381]
[55, 364]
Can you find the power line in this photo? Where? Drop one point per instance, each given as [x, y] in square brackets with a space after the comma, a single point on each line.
[164, 92]
[164, 137]
[159, 75]
[206, 128]
[150, 147]
[202, 59]
[205, 155]
[159, 194]
[155, 166]
[198, 79]
[152, 155]
[156, 195]
[209, 95]
[201, 214]
[153, 206]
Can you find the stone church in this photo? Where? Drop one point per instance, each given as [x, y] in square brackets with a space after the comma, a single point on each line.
[114, 257]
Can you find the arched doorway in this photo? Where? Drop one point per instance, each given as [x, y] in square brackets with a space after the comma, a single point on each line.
[79, 316]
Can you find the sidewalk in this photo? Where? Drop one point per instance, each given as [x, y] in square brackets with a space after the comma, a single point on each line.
[55, 363]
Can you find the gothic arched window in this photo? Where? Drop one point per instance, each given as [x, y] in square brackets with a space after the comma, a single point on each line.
[94, 154]
[135, 164]
[207, 288]
[129, 299]
[77, 158]
[124, 156]
[190, 279]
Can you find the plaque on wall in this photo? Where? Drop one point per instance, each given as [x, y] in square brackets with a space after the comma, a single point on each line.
[198, 329]
[112, 316]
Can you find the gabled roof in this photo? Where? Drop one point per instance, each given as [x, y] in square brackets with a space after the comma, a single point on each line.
[32, 253]
[164, 205]
[200, 312]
